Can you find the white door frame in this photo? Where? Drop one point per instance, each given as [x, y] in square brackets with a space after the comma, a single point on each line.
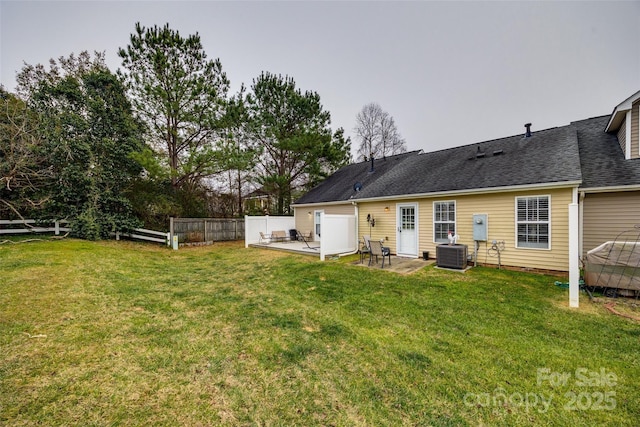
[399, 207]
[317, 224]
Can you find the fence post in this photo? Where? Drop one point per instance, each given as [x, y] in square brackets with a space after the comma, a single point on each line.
[204, 225]
[169, 239]
[170, 230]
[57, 227]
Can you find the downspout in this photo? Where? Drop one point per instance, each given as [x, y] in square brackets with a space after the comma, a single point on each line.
[355, 204]
[581, 197]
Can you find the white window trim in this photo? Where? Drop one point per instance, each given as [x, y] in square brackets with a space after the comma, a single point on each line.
[455, 219]
[627, 136]
[638, 113]
[416, 225]
[317, 213]
[541, 222]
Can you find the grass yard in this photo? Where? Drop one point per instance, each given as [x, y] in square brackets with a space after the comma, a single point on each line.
[119, 333]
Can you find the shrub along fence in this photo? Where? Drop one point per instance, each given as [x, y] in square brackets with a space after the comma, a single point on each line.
[206, 230]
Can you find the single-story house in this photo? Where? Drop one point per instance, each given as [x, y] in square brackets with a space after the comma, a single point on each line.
[521, 187]
[258, 201]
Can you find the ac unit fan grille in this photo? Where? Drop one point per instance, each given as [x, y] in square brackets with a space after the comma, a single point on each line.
[451, 256]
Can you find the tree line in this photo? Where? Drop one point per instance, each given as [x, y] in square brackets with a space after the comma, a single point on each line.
[160, 137]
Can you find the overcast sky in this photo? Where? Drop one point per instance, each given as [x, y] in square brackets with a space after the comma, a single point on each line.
[450, 73]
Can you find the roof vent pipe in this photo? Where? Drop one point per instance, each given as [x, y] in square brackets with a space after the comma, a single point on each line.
[527, 134]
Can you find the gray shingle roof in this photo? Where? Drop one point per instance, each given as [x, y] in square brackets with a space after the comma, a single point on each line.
[579, 152]
[340, 185]
[601, 158]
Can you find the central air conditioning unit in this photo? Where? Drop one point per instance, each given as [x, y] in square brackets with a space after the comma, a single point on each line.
[451, 256]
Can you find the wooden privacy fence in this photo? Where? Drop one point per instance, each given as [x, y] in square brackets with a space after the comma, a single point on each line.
[203, 230]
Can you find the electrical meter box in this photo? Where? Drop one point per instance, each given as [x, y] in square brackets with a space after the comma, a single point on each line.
[480, 227]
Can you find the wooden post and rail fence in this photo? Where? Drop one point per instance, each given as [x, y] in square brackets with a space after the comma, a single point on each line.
[188, 231]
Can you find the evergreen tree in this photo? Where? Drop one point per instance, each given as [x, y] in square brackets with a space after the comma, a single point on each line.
[237, 150]
[90, 133]
[180, 95]
[297, 146]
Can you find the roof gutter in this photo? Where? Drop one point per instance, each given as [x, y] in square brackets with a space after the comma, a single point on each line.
[565, 184]
[635, 187]
[341, 202]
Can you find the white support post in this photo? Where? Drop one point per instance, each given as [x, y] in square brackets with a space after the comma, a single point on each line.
[574, 256]
[322, 230]
[246, 234]
[56, 227]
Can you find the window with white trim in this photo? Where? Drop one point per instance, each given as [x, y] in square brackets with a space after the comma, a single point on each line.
[444, 220]
[533, 223]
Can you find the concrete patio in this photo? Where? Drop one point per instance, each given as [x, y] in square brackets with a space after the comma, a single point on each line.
[399, 265]
[313, 248]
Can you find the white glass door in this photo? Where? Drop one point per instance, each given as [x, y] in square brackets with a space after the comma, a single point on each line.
[407, 230]
[317, 226]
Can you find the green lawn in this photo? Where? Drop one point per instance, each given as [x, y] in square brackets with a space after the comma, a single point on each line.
[119, 333]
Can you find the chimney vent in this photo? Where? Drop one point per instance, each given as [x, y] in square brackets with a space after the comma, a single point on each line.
[528, 132]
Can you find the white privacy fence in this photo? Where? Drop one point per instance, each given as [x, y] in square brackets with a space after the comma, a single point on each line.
[254, 225]
[339, 233]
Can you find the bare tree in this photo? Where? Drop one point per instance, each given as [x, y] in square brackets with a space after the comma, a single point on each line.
[377, 133]
[25, 171]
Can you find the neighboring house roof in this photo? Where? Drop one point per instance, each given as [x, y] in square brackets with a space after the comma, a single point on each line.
[257, 194]
[577, 154]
